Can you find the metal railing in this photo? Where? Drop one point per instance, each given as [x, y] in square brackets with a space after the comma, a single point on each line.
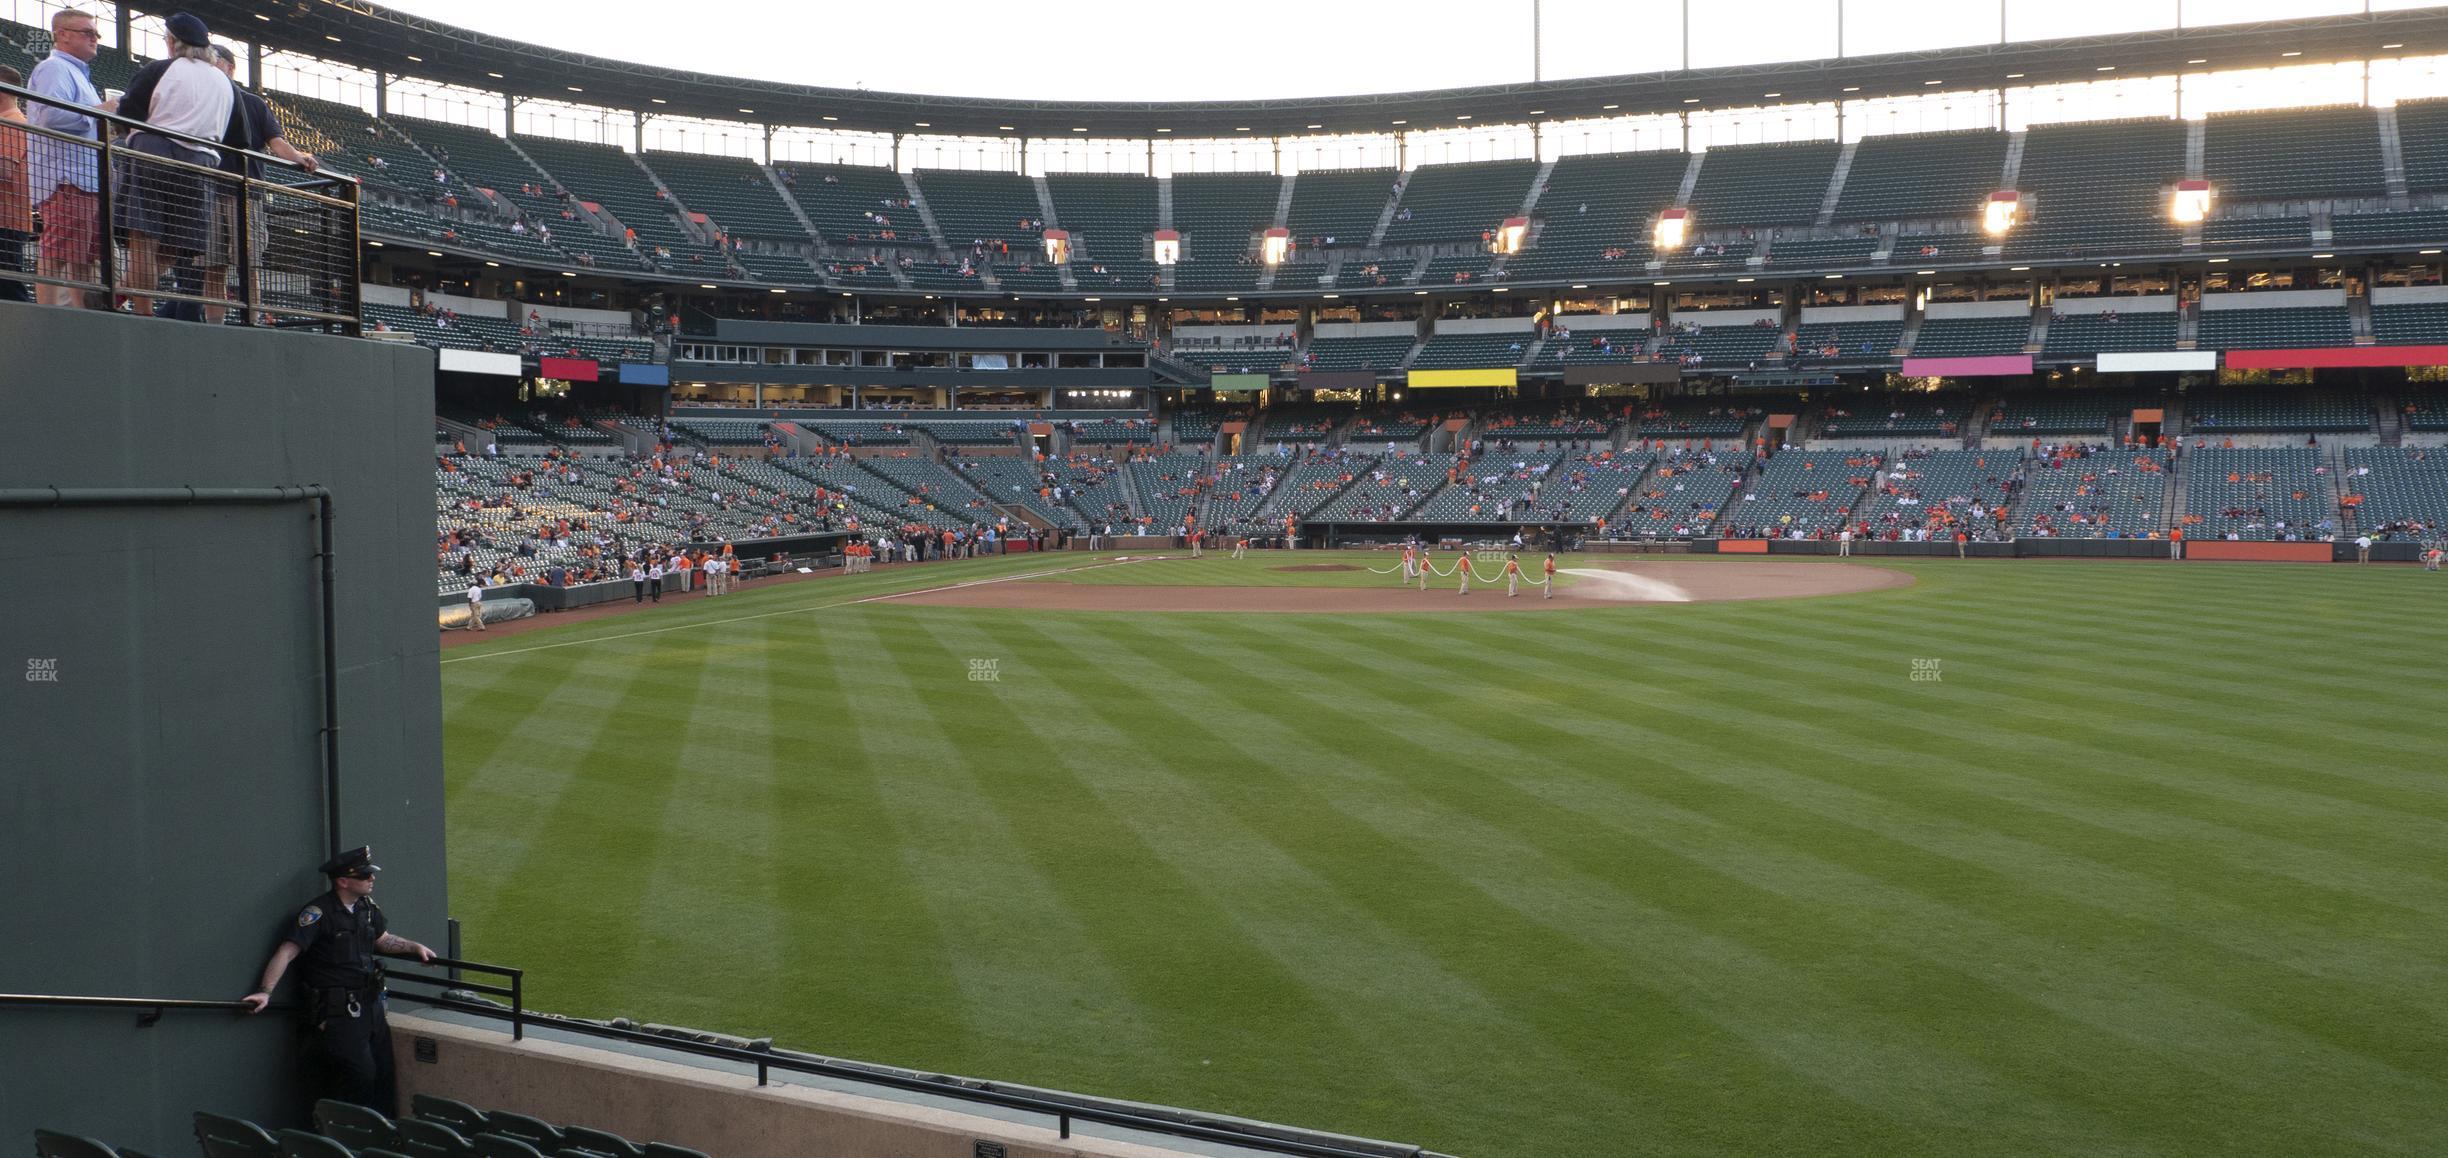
[106, 208]
[1281, 1140]
[148, 1009]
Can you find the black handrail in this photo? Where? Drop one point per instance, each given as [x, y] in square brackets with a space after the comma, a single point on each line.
[1063, 1112]
[149, 1009]
[516, 991]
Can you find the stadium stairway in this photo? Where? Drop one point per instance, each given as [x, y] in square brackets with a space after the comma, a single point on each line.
[935, 233]
[797, 211]
[1836, 183]
[1385, 213]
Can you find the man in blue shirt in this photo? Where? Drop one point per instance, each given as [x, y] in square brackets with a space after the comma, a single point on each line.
[61, 174]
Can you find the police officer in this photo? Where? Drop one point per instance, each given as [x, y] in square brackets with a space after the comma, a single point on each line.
[337, 936]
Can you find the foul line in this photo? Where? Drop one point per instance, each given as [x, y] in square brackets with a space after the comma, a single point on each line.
[803, 610]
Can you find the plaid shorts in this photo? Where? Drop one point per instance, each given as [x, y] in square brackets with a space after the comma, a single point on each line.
[70, 232]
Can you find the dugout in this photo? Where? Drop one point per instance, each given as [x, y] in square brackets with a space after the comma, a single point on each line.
[168, 787]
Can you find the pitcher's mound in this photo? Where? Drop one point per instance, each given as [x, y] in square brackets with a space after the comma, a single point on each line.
[1608, 584]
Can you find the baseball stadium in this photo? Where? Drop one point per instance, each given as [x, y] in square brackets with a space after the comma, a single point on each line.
[1814, 577]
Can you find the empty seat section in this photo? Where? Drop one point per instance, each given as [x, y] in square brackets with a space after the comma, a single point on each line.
[2397, 491]
[1971, 337]
[1938, 492]
[1385, 490]
[1739, 343]
[2095, 189]
[976, 204]
[2422, 140]
[2111, 331]
[1922, 176]
[1355, 273]
[856, 204]
[1799, 491]
[2417, 228]
[2088, 414]
[2279, 328]
[1596, 213]
[1763, 184]
[1918, 416]
[2292, 154]
[1109, 215]
[1456, 203]
[1822, 252]
[484, 160]
[1218, 213]
[1338, 207]
[1456, 269]
[733, 192]
[2411, 324]
[1830, 342]
[353, 143]
[2241, 410]
[1938, 248]
[2257, 233]
[2260, 494]
[610, 178]
[2100, 494]
[1381, 354]
[1473, 351]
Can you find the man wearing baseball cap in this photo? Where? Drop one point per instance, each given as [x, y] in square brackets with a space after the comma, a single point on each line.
[337, 936]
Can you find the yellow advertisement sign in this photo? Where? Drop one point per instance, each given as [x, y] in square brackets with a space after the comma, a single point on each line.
[1422, 379]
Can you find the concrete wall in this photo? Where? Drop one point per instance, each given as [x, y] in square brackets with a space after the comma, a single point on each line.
[650, 1100]
[161, 808]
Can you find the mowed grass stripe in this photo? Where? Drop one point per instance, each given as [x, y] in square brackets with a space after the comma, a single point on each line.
[713, 826]
[2313, 939]
[1942, 875]
[2099, 987]
[1028, 976]
[865, 969]
[1220, 989]
[1988, 723]
[1572, 932]
[603, 828]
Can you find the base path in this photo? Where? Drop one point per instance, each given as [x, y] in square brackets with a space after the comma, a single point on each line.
[1608, 585]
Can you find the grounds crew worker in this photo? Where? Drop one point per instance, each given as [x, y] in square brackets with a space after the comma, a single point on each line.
[337, 936]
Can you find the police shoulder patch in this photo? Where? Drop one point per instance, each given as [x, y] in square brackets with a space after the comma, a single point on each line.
[310, 915]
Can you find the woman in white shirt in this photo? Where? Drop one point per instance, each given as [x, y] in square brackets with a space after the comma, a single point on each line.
[163, 210]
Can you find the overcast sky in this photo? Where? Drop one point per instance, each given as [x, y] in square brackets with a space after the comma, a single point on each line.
[1136, 50]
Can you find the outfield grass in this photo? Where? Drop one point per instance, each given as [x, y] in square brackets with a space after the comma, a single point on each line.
[2158, 865]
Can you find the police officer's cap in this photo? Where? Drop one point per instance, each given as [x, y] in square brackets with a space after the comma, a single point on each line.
[356, 862]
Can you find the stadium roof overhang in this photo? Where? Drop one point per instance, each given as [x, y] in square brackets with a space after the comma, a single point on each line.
[371, 37]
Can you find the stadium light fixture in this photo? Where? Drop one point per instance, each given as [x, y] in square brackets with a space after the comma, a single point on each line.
[1462, 116]
[1672, 227]
[2191, 201]
[1058, 246]
[2018, 269]
[1750, 279]
[924, 124]
[1275, 245]
[1168, 246]
[2014, 76]
[1998, 215]
[1925, 273]
[1509, 235]
[2218, 261]
[332, 38]
[786, 291]
[1419, 293]
[2105, 68]
[1320, 295]
[2385, 46]
[433, 253]
[705, 285]
[658, 100]
[416, 59]
[575, 88]
[1852, 88]
[2427, 252]
[831, 118]
[1769, 96]
[1317, 126]
[1079, 128]
[750, 112]
[495, 75]
[1582, 285]
[2323, 256]
[493, 265]
[2199, 60]
[1533, 112]
[2290, 54]
[1164, 130]
[264, 18]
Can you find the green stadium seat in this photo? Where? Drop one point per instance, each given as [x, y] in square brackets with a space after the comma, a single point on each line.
[355, 1126]
[1458, 202]
[1921, 176]
[1972, 337]
[2096, 189]
[1338, 207]
[1763, 184]
[504, 1146]
[598, 1142]
[300, 1144]
[534, 1131]
[225, 1137]
[2293, 154]
[666, 1150]
[52, 1144]
[1218, 213]
[457, 1115]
